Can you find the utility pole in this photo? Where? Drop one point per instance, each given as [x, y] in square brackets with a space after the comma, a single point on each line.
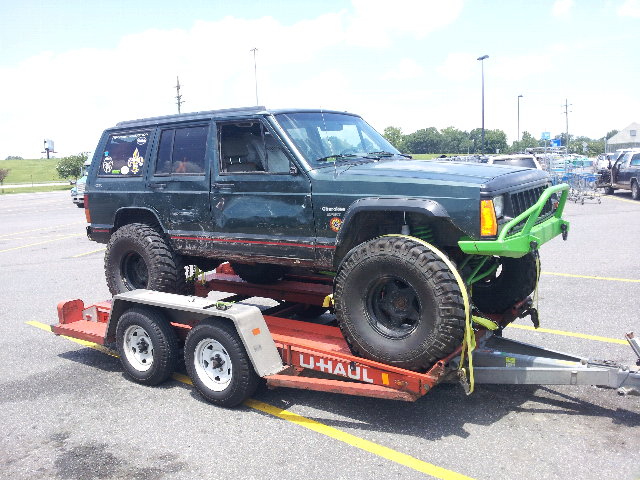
[519, 97]
[566, 112]
[255, 72]
[482, 59]
[178, 96]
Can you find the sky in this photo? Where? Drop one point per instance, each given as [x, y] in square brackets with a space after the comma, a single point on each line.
[70, 68]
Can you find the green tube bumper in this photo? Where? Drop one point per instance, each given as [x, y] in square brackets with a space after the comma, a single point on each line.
[519, 244]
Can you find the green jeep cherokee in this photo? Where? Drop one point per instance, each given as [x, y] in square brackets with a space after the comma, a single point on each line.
[269, 190]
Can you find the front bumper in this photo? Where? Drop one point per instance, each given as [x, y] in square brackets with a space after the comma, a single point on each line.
[519, 243]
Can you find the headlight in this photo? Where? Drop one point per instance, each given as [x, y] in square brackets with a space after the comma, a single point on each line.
[498, 205]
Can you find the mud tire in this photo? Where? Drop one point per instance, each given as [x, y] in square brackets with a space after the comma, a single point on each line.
[515, 281]
[399, 304]
[138, 256]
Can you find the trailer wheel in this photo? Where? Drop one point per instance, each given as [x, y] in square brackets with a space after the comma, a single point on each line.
[138, 256]
[512, 282]
[218, 364]
[397, 303]
[260, 273]
[147, 345]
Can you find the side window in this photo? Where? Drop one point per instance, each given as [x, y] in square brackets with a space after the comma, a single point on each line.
[635, 161]
[277, 160]
[182, 151]
[124, 154]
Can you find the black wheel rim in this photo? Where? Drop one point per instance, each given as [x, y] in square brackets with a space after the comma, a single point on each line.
[134, 271]
[393, 306]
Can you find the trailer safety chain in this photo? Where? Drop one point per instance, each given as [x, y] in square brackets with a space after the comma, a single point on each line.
[469, 338]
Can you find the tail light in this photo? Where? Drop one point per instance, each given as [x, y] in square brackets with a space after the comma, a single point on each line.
[86, 208]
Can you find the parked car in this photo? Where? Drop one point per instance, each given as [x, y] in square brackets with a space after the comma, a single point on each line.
[516, 160]
[77, 192]
[625, 174]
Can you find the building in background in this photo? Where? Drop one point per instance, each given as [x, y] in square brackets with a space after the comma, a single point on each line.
[627, 138]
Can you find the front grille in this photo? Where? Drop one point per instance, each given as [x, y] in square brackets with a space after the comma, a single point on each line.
[521, 201]
[80, 187]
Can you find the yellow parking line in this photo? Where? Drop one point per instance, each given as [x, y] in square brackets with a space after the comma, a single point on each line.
[621, 199]
[38, 229]
[362, 444]
[592, 277]
[570, 334]
[40, 243]
[87, 253]
[367, 446]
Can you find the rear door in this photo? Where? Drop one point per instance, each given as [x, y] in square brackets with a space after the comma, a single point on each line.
[178, 182]
[260, 200]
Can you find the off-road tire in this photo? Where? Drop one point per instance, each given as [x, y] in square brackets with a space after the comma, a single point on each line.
[238, 380]
[138, 256]
[160, 343]
[515, 281]
[260, 273]
[397, 303]
[635, 190]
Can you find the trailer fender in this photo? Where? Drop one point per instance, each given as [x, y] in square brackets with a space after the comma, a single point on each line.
[185, 310]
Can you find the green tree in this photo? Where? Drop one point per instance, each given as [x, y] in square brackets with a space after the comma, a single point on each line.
[455, 141]
[495, 140]
[14, 157]
[71, 166]
[395, 137]
[427, 140]
[611, 134]
[3, 174]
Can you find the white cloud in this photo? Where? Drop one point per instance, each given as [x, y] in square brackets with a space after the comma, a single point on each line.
[407, 68]
[458, 66]
[630, 8]
[562, 6]
[376, 18]
[72, 97]
[517, 68]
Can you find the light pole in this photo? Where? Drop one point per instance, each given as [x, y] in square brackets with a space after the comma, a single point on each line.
[255, 71]
[519, 97]
[482, 58]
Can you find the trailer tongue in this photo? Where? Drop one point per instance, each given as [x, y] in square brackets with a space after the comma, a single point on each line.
[297, 354]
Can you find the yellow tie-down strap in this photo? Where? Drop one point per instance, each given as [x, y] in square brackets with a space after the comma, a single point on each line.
[469, 339]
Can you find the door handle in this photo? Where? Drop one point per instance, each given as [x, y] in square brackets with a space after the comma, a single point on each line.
[157, 185]
[222, 186]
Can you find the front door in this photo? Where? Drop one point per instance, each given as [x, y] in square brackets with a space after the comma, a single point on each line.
[260, 200]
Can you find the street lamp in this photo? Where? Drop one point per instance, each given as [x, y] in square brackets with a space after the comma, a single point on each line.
[482, 58]
[519, 97]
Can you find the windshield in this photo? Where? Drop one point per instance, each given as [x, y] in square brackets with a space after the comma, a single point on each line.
[322, 137]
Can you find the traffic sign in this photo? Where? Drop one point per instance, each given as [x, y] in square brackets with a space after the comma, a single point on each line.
[546, 135]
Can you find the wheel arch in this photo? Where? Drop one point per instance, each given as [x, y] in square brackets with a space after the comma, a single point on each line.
[361, 221]
[127, 215]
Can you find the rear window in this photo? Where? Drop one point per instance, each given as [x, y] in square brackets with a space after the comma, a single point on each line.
[124, 155]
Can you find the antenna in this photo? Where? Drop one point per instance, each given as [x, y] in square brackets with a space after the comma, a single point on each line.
[178, 96]
[255, 71]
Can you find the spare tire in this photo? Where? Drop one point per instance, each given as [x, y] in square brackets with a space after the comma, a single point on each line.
[138, 256]
[397, 303]
[513, 281]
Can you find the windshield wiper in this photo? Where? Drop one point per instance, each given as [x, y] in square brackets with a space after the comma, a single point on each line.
[336, 156]
[389, 154]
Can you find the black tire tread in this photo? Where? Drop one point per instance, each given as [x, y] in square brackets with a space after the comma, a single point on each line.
[166, 274]
[166, 350]
[245, 380]
[449, 331]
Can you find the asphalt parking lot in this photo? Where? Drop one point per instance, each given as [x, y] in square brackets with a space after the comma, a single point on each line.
[68, 411]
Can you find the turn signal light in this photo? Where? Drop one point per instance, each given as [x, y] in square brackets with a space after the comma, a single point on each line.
[488, 221]
[86, 208]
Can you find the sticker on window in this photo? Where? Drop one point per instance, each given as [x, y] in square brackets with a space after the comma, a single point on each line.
[124, 154]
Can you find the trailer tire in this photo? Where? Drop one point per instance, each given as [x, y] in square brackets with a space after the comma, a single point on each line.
[138, 256]
[261, 273]
[147, 345]
[218, 364]
[397, 303]
[514, 281]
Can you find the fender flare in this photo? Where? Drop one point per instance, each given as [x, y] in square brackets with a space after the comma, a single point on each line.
[425, 206]
[150, 211]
